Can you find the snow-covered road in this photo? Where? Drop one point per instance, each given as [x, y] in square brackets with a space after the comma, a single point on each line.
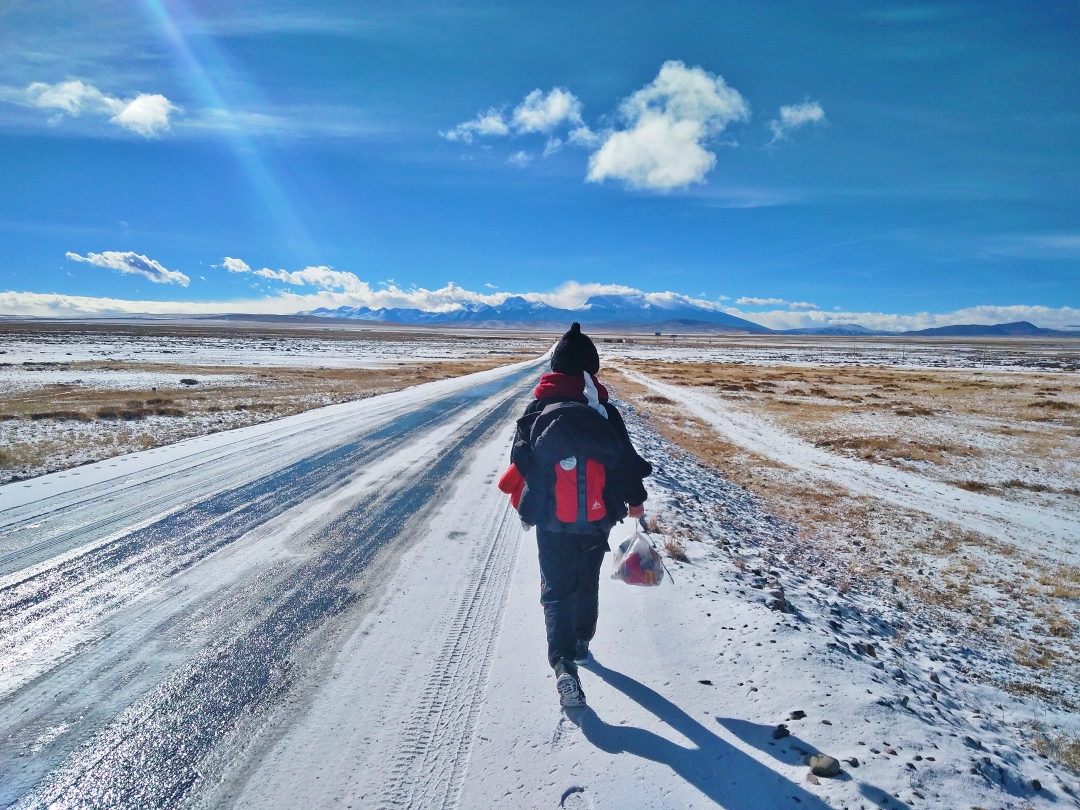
[163, 615]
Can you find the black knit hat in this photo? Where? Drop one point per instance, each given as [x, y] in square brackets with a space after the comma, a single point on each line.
[575, 353]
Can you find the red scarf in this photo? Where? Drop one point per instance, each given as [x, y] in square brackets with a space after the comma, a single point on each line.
[567, 385]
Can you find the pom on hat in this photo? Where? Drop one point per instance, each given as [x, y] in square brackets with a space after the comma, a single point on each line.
[575, 353]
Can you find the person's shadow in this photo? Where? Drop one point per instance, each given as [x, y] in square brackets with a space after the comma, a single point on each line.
[720, 771]
[792, 751]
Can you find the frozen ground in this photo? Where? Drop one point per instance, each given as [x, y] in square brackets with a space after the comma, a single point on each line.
[74, 394]
[255, 345]
[338, 609]
[691, 681]
[987, 353]
[1053, 531]
[864, 465]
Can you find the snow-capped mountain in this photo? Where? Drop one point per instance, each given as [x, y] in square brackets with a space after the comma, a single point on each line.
[599, 309]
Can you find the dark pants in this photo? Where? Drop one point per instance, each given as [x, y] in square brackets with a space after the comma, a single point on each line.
[569, 582]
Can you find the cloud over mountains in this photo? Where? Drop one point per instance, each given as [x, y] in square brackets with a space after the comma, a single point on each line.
[764, 302]
[320, 286]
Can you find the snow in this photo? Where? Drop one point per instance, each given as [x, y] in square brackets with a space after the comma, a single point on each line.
[654, 735]
[220, 347]
[1053, 530]
[338, 609]
[311, 430]
[988, 354]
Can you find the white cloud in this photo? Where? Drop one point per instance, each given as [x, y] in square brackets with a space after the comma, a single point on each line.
[759, 302]
[536, 113]
[794, 116]
[146, 114]
[235, 265]
[540, 113]
[485, 123]
[1047, 317]
[345, 289]
[341, 288]
[765, 302]
[520, 159]
[323, 277]
[1035, 246]
[72, 97]
[583, 136]
[132, 263]
[668, 124]
[668, 121]
[573, 294]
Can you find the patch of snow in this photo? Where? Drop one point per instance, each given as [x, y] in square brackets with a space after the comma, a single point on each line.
[996, 517]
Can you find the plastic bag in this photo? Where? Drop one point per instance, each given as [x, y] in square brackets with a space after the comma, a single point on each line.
[636, 562]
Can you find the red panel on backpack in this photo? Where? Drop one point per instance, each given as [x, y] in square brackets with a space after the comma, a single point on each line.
[566, 505]
[594, 490]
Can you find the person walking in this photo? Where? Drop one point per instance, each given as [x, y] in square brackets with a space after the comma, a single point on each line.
[573, 475]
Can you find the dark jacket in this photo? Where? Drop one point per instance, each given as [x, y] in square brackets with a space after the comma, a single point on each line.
[558, 427]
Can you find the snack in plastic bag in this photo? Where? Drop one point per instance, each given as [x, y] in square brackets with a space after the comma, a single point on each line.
[636, 562]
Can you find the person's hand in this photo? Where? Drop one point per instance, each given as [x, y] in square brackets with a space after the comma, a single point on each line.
[636, 511]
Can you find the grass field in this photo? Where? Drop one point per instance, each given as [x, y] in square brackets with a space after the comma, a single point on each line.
[1012, 435]
[75, 395]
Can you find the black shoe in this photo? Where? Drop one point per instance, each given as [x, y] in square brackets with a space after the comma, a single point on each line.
[566, 681]
[581, 653]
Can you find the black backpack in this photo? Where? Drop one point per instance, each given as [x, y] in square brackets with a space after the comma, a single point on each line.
[569, 461]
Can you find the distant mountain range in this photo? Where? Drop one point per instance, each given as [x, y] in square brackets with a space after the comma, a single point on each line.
[614, 310]
[850, 329]
[1015, 329]
[626, 312]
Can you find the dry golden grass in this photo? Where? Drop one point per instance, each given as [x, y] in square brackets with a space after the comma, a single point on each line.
[1060, 746]
[196, 389]
[1059, 626]
[54, 427]
[958, 426]
[687, 432]
[675, 548]
[890, 448]
[940, 573]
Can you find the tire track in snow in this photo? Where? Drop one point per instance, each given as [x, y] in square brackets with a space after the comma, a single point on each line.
[98, 515]
[151, 754]
[80, 589]
[39, 529]
[434, 750]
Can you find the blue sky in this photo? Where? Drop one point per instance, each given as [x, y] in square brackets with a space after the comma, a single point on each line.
[899, 164]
